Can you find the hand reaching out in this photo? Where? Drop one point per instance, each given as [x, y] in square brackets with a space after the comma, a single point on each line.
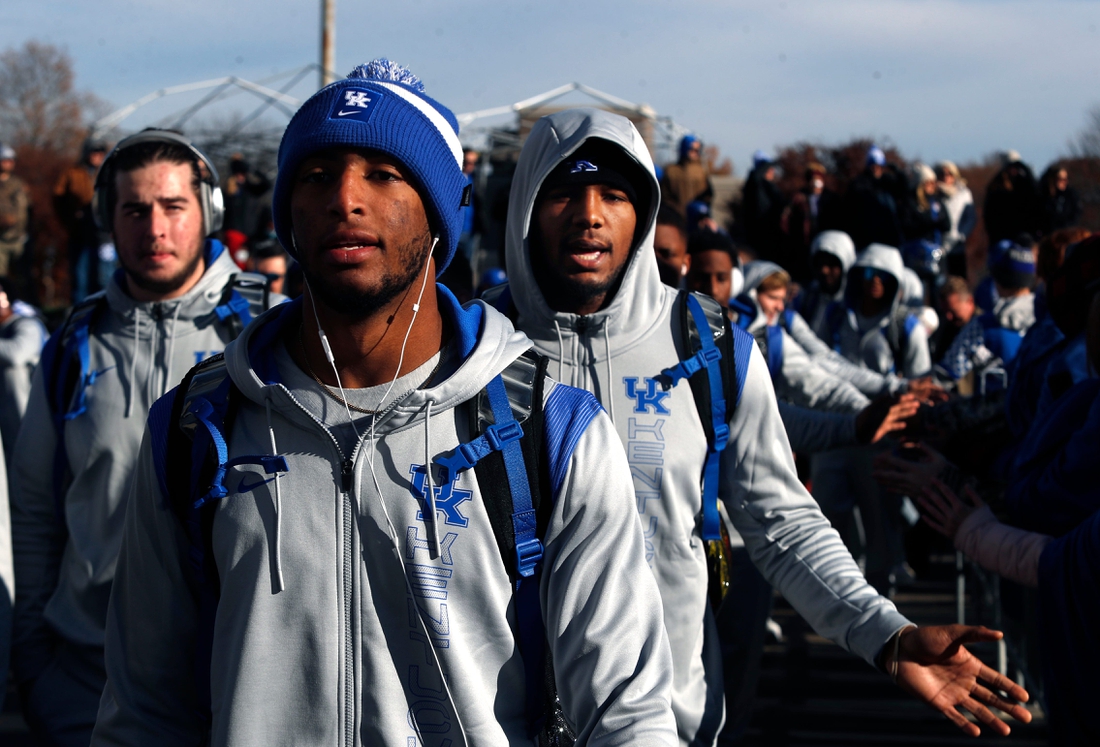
[935, 666]
[885, 416]
[909, 476]
[942, 510]
[927, 391]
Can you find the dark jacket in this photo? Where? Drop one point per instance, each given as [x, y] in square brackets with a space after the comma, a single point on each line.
[1010, 203]
[874, 207]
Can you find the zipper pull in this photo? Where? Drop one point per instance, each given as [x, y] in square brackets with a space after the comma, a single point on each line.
[346, 472]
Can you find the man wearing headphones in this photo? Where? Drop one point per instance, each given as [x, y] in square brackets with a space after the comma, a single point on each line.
[177, 300]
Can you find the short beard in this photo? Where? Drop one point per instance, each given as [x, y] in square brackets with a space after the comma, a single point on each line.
[563, 291]
[164, 287]
[358, 304]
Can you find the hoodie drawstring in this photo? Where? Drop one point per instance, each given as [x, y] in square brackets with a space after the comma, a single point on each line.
[277, 576]
[561, 350]
[610, 373]
[171, 350]
[428, 470]
[131, 393]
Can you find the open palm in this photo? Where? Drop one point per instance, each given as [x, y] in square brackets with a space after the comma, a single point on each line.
[935, 666]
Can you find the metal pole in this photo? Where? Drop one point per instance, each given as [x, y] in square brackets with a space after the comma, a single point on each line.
[328, 41]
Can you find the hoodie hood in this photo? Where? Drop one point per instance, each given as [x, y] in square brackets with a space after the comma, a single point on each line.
[641, 300]
[886, 259]
[756, 271]
[838, 244]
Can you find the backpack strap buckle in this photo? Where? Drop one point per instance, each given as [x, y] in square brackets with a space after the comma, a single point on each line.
[528, 555]
[503, 433]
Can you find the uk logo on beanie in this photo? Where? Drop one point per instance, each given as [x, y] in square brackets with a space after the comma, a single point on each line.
[356, 104]
[381, 106]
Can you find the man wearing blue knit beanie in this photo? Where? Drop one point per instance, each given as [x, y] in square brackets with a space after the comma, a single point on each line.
[375, 520]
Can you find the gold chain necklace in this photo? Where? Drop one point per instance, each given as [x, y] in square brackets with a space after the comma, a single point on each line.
[327, 390]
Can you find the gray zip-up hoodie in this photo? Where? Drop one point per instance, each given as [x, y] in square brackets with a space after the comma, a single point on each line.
[616, 353]
[799, 380]
[872, 341]
[338, 607]
[64, 571]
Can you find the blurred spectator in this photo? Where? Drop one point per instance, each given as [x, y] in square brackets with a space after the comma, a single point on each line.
[237, 244]
[956, 309]
[960, 209]
[670, 245]
[466, 244]
[1059, 205]
[491, 278]
[1052, 250]
[686, 180]
[874, 202]
[761, 208]
[995, 336]
[22, 335]
[268, 258]
[245, 190]
[713, 267]
[926, 217]
[73, 205]
[700, 219]
[813, 209]
[1010, 201]
[14, 209]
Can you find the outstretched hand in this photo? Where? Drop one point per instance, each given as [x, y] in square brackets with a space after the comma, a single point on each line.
[934, 665]
[926, 390]
[909, 476]
[942, 510]
[884, 416]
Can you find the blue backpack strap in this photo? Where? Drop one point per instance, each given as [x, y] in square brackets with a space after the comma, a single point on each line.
[774, 334]
[189, 428]
[67, 374]
[245, 296]
[745, 309]
[786, 319]
[711, 370]
[509, 458]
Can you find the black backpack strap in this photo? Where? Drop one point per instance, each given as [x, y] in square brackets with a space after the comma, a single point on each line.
[245, 296]
[500, 298]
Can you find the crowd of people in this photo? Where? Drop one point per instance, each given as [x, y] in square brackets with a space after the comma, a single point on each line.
[274, 479]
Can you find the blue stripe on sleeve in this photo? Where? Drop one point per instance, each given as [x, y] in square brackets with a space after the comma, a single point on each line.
[566, 416]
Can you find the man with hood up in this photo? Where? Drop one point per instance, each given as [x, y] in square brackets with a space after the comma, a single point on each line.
[76, 455]
[584, 286]
[365, 599]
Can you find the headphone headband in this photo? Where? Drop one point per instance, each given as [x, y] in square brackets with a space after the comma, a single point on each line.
[210, 193]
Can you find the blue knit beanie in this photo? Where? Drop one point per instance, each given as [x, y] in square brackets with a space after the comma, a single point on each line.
[381, 106]
[686, 142]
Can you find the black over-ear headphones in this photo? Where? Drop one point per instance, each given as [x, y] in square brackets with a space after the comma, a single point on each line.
[210, 194]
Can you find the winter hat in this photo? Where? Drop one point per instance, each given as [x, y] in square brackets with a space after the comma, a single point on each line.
[596, 163]
[696, 211]
[685, 145]
[876, 156]
[1014, 267]
[7, 153]
[922, 173]
[381, 106]
[761, 158]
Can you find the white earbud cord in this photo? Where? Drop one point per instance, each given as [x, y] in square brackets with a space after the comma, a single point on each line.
[374, 475]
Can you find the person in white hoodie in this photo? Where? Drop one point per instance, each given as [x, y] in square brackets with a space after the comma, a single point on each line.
[365, 598]
[584, 286]
[176, 300]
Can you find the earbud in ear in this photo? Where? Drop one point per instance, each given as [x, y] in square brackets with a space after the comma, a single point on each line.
[683, 270]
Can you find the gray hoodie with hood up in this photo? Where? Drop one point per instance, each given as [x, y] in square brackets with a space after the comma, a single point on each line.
[616, 353]
[63, 572]
[873, 341]
[343, 619]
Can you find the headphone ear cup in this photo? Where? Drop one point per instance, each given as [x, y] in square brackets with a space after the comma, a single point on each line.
[213, 208]
[99, 210]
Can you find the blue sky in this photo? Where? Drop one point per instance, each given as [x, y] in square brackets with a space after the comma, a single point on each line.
[940, 78]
